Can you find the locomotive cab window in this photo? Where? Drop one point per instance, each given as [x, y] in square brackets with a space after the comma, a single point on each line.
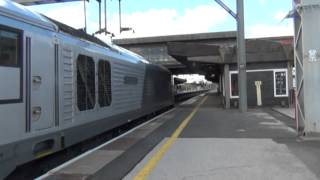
[85, 83]
[9, 48]
[10, 65]
[104, 85]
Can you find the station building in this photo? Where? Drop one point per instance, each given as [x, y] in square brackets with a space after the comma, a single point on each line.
[269, 63]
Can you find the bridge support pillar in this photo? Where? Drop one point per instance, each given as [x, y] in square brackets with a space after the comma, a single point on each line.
[307, 61]
[226, 86]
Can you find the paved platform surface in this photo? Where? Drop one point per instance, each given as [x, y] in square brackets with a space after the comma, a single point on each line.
[290, 112]
[201, 140]
[225, 144]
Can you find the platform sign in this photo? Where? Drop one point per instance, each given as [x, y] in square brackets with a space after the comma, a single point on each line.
[38, 2]
[281, 83]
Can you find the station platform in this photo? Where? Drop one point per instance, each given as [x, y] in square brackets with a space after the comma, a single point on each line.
[198, 139]
[290, 112]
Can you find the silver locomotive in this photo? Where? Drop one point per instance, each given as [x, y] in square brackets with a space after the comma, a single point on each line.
[60, 86]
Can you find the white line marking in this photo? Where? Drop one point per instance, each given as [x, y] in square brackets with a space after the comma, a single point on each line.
[241, 130]
[190, 101]
[99, 147]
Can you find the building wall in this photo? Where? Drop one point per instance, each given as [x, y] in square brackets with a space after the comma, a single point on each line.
[269, 74]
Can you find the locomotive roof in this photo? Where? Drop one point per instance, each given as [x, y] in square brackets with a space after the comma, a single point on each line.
[22, 13]
[78, 33]
[82, 35]
[18, 11]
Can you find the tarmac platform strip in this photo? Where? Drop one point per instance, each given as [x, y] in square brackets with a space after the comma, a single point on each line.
[200, 140]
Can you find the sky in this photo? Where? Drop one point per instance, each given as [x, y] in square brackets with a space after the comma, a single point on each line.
[263, 18]
[192, 78]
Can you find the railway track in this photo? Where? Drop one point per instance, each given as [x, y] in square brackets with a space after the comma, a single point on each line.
[41, 166]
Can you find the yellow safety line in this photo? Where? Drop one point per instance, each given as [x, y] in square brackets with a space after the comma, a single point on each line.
[151, 164]
[43, 154]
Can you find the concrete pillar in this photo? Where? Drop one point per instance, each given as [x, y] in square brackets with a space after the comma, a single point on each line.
[227, 86]
[220, 85]
[290, 83]
[290, 76]
[307, 59]
[241, 53]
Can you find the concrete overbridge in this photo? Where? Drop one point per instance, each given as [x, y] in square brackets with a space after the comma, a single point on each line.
[173, 51]
[207, 53]
[269, 61]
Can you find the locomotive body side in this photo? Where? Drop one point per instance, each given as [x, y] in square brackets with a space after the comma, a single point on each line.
[58, 90]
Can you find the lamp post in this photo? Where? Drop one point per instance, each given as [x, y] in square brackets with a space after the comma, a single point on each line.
[85, 15]
[120, 22]
[120, 16]
[241, 52]
[101, 29]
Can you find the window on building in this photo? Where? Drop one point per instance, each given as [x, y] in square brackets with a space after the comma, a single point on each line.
[9, 48]
[280, 83]
[234, 85]
[104, 76]
[85, 83]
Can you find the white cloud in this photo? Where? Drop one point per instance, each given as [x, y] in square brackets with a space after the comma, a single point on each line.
[71, 15]
[284, 27]
[262, 2]
[280, 15]
[270, 30]
[157, 22]
[153, 22]
[191, 78]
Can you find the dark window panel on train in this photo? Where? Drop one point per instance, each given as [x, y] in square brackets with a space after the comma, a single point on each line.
[130, 80]
[104, 85]
[85, 83]
[9, 48]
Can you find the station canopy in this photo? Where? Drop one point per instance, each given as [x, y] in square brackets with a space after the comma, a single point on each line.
[38, 2]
